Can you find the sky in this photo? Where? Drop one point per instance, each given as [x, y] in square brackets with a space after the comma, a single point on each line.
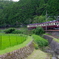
[15, 0]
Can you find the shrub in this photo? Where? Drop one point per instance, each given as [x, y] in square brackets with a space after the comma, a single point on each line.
[10, 30]
[17, 32]
[38, 31]
[40, 41]
[22, 31]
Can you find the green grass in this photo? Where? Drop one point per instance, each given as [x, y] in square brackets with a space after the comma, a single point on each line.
[40, 41]
[55, 39]
[38, 54]
[8, 40]
[12, 48]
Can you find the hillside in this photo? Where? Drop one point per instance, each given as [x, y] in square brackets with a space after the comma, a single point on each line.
[14, 14]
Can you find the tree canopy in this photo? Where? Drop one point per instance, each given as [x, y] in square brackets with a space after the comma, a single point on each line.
[26, 11]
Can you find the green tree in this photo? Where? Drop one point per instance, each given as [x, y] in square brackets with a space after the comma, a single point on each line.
[53, 7]
[39, 19]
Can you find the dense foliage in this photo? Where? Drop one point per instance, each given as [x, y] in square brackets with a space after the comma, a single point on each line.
[16, 14]
[40, 41]
[17, 31]
[38, 31]
[10, 30]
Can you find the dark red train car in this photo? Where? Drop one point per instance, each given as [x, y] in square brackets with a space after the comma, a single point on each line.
[46, 25]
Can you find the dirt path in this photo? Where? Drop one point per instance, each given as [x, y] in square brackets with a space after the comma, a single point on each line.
[38, 54]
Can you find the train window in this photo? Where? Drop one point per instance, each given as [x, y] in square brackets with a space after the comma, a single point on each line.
[35, 25]
[32, 25]
[53, 23]
[49, 23]
[28, 26]
[43, 24]
[57, 23]
[39, 25]
[46, 24]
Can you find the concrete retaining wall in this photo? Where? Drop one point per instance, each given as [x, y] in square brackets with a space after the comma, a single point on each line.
[20, 53]
[53, 44]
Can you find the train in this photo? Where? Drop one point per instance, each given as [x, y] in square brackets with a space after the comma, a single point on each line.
[45, 25]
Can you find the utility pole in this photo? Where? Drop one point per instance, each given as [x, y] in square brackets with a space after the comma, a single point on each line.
[46, 19]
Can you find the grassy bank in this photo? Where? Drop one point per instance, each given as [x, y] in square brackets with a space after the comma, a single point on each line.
[38, 54]
[8, 40]
[40, 41]
[10, 49]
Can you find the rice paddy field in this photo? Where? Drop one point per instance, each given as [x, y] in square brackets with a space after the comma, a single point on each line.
[8, 40]
[15, 47]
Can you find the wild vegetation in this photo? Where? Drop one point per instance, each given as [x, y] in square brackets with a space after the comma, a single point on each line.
[17, 14]
[38, 31]
[40, 41]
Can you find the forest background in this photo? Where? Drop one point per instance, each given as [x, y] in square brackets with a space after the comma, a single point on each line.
[23, 12]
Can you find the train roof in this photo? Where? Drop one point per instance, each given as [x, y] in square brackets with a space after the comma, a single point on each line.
[44, 22]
